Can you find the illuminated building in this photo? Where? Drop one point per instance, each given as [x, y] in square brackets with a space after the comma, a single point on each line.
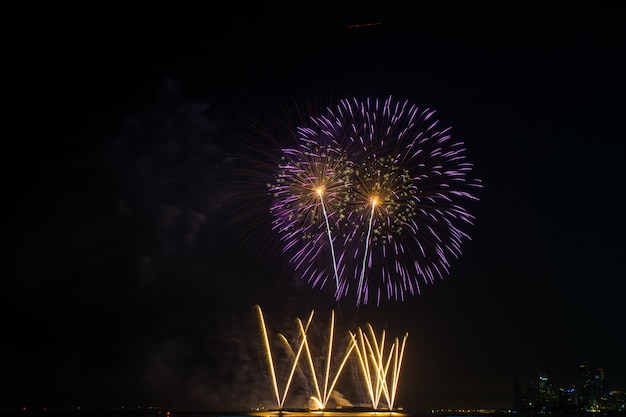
[594, 392]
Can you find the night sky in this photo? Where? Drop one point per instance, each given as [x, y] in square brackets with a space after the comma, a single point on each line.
[127, 282]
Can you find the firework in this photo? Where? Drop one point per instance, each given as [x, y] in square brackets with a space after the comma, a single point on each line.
[371, 195]
[381, 374]
[313, 181]
[380, 368]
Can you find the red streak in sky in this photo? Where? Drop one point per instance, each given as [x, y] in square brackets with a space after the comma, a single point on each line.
[362, 25]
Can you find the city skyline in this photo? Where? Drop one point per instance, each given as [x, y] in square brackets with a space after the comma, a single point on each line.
[591, 393]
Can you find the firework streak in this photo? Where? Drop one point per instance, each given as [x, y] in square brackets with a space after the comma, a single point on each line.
[371, 197]
[380, 365]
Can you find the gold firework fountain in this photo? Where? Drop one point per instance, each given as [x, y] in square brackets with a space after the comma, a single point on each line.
[379, 366]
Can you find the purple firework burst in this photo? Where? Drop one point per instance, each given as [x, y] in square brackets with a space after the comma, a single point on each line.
[371, 198]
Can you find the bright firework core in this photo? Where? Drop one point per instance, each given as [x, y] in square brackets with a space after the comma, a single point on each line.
[387, 212]
[379, 365]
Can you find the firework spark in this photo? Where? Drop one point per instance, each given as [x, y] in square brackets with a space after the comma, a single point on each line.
[372, 196]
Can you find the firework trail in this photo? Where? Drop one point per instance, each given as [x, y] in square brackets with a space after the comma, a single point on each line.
[371, 195]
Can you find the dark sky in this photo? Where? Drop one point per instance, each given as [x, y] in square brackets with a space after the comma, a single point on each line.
[126, 283]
